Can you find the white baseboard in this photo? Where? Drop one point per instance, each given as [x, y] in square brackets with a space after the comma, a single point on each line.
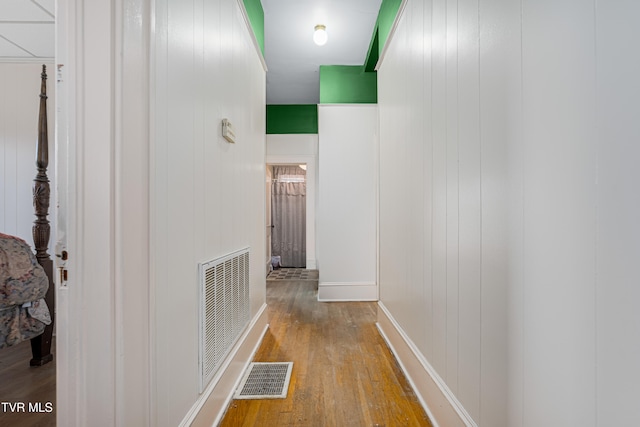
[212, 403]
[268, 268]
[441, 405]
[331, 291]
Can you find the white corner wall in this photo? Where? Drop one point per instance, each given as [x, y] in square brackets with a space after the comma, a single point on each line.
[347, 169]
[19, 108]
[208, 196]
[509, 232]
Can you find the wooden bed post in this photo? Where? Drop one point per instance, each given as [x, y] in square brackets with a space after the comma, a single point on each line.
[41, 345]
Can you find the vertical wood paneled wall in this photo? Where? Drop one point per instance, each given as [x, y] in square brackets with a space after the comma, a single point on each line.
[208, 195]
[509, 232]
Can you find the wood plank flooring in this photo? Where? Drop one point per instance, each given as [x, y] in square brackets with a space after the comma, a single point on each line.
[20, 382]
[343, 372]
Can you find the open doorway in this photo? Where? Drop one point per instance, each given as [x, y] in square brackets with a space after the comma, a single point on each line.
[288, 213]
[295, 150]
[27, 309]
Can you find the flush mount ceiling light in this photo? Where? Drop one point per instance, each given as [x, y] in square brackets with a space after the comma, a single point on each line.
[320, 35]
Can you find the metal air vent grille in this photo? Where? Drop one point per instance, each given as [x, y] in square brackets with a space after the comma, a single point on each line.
[224, 309]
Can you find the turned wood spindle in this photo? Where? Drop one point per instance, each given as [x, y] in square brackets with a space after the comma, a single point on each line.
[41, 345]
[41, 191]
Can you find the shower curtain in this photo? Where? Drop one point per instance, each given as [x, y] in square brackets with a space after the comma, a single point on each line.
[288, 215]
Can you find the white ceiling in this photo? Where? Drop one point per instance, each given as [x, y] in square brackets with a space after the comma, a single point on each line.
[293, 59]
[27, 33]
[27, 29]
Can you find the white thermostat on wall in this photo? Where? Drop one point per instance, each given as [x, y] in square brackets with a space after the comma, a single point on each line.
[227, 131]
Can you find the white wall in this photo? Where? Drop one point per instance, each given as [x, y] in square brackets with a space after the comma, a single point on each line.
[299, 149]
[442, 200]
[19, 107]
[283, 145]
[617, 208]
[208, 196]
[347, 164]
[577, 217]
[555, 370]
[508, 215]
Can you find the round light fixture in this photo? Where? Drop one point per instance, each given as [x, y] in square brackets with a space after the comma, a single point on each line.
[320, 35]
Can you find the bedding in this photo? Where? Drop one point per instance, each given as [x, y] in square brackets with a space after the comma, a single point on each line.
[23, 285]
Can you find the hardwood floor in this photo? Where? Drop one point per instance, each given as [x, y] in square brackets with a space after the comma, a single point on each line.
[343, 372]
[21, 383]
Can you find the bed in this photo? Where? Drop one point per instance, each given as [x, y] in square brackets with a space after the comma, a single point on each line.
[26, 278]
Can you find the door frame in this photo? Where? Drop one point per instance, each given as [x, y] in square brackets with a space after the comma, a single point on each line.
[311, 199]
[104, 308]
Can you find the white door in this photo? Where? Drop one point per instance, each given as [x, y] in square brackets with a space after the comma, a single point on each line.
[102, 140]
[84, 164]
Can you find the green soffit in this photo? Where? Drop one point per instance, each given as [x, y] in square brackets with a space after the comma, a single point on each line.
[340, 84]
[347, 84]
[256, 18]
[386, 17]
[292, 118]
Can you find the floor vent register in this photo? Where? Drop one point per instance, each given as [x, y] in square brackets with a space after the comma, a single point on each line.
[265, 381]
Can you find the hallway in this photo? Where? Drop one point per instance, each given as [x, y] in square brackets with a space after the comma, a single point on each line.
[343, 372]
[500, 142]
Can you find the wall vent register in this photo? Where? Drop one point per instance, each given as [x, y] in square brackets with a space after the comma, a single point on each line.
[224, 310]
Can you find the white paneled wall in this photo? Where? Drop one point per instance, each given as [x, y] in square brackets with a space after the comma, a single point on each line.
[346, 241]
[443, 201]
[19, 107]
[509, 232]
[558, 221]
[617, 152]
[208, 194]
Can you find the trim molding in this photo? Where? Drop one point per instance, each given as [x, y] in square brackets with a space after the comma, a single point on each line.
[254, 40]
[392, 33]
[209, 409]
[354, 291]
[348, 104]
[30, 60]
[443, 409]
[267, 268]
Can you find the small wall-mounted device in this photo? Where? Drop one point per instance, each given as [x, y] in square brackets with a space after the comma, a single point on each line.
[227, 131]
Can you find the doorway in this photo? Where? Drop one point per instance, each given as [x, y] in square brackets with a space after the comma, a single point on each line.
[293, 150]
[288, 215]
